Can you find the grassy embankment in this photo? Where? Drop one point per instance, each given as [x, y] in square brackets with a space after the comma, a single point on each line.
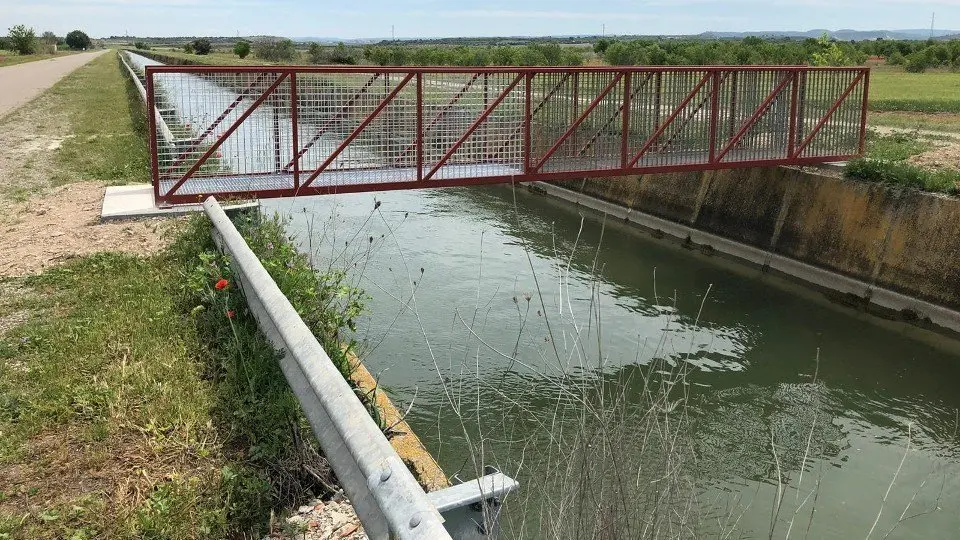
[216, 57]
[913, 102]
[137, 400]
[11, 58]
[928, 101]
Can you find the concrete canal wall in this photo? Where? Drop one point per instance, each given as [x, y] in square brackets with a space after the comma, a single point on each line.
[890, 251]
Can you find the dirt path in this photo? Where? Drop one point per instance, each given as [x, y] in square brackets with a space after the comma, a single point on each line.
[23, 82]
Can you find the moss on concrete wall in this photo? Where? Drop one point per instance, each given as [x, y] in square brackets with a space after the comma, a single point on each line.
[901, 240]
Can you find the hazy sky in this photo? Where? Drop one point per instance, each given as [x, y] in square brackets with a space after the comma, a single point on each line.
[438, 18]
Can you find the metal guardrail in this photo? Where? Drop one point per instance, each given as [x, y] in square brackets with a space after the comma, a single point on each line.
[162, 128]
[388, 499]
[278, 131]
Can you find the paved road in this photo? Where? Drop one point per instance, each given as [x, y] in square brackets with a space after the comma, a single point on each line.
[23, 82]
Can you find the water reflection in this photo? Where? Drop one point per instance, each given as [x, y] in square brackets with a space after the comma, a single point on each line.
[509, 315]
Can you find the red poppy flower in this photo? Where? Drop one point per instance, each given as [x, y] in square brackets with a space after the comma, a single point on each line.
[221, 285]
[230, 314]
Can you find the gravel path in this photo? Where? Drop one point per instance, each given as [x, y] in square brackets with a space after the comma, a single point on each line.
[23, 82]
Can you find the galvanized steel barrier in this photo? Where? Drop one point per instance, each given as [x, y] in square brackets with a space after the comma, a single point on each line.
[278, 131]
[386, 496]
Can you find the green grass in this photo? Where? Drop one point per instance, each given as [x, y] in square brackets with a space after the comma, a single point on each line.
[107, 123]
[904, 175]
[98, 118]
[912, 121]
[937, 92]
[131, 405]
[127, 360]
[12, 58]
[215, 58]
[109, 367]
[895, 147]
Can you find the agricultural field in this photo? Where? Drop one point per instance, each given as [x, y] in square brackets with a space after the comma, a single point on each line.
[927, 101]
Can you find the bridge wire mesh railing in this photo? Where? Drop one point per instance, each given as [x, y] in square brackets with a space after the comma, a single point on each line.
[284, 131]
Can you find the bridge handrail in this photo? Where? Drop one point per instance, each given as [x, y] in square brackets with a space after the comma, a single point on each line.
[278, 131]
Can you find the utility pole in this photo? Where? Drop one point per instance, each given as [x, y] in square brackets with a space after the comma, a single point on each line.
[933, 20]
[603, 30]
[393, 33]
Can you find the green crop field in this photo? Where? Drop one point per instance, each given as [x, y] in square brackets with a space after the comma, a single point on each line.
[915, 92]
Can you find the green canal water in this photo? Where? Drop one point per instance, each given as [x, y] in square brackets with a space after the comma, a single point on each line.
[497, 314]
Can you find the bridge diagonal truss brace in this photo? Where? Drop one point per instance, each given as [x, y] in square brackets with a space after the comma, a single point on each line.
[284, 131]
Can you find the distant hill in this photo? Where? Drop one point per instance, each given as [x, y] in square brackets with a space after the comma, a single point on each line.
[843, 35]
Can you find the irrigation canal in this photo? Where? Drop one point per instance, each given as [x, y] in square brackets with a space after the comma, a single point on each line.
[460, 332]
[497, 313]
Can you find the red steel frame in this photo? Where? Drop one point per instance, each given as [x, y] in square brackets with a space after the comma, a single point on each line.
[521, 79]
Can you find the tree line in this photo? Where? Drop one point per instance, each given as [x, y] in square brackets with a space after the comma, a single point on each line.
[24, 40]
[915, 56]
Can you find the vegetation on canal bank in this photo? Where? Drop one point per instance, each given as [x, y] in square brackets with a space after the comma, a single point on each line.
[143, 386]
[138, 399]
[886, 162]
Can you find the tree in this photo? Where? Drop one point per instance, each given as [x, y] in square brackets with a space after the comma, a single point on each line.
[22, 39]
[602, 45]
[142, 45]
[188, 47]
[202, 46]
[917, 62]
[315, 53]
[341, 55]
[241, 49]
[77, 40]
[50, 38]
[274, 50]
[830, 53]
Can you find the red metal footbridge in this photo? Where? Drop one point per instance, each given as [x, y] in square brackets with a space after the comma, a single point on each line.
[277, 131]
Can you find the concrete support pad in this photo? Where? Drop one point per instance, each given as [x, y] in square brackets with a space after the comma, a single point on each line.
[136, 202]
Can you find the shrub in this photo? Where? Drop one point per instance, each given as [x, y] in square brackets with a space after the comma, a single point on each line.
[241, 49]
[78, 40]
[142, 46]
[274, 50]
[896, 59]
[897, 173]
[22, 39]
[342, 55]
[202, 46]
[601, 46]
[315, 54]
[188, 48]
[917, 63]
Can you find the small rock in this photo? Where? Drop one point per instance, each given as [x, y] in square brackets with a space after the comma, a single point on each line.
[305, 509]
[338, 520]
[319, 506]
[348, 530]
